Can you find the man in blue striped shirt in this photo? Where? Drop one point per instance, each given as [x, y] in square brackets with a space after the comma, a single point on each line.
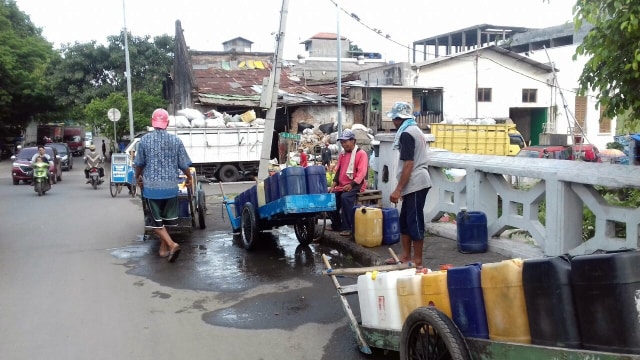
[159, 159]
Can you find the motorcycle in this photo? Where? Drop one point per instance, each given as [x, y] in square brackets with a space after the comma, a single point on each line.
[94, 177]
[41, 182]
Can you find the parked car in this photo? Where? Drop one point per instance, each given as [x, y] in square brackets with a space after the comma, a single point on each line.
[557, 152]
[66, 157]
[22, 169]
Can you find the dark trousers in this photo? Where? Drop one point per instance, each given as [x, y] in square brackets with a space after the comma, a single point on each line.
[342, 218]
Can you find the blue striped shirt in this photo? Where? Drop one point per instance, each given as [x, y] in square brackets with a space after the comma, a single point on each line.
[162, 155]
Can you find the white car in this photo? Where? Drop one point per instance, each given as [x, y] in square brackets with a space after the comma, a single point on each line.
[88, 139]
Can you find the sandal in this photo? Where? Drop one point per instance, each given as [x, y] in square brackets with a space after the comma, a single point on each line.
[345, 233]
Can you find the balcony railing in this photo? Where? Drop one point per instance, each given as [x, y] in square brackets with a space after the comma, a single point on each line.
[564, 187]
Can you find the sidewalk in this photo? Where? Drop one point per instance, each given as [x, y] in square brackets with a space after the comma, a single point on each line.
[440, 248]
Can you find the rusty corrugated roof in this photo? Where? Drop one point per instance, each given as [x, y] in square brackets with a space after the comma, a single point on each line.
[242, 81]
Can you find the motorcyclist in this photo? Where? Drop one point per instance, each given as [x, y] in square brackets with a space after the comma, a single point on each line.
[93, 159]
[44, 157]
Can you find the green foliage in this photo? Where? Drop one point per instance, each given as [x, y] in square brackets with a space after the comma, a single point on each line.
[81, 79]
[143, 105]
[25, 90]
[612, 46]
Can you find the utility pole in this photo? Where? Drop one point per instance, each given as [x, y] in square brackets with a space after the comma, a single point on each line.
[128, 69]
[274, 82]
[339, 54]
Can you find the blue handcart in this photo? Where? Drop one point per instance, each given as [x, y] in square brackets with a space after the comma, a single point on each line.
[192, 206]
[122, 174]
[302, 211]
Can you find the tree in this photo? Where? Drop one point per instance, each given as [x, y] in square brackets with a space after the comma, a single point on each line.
[613, 47]
[88, 72]
[25, 90]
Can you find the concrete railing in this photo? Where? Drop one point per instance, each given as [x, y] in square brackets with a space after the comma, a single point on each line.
[564, 186]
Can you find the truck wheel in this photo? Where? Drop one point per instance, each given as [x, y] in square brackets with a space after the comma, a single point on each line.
[228, 173]
[429, 334]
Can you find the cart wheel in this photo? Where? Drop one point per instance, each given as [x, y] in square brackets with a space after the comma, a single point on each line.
[201, 208]
[305, 230]
[249, 226]
[113, 189]
[429, 334]
[321, 221]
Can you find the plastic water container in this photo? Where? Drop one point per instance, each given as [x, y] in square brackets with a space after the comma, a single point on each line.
[239, 203]
[253, 196]
[292, 181]
[435, 292]
[606, 289]
[504, 301]
[467, 302]
[183, 208]
[367, 299]
[547, 291]
[390, 226]
[409, 289]
[274, 187]
[316, 179]
[261, 194]
[472, 234]
[368, 226]
[389, 316]
[267, 189]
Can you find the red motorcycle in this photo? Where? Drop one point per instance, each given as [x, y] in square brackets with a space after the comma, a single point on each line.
[94, 177]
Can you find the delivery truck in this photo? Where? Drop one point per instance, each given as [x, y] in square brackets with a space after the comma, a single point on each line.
[227, 154]
[74, 137]
[495, 139]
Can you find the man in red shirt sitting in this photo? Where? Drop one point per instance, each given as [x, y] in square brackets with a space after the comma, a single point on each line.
[351, 172]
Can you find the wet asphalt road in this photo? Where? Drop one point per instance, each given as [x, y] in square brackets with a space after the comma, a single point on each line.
[80, 280]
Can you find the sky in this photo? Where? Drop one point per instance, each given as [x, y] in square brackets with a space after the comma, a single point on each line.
[209, 23]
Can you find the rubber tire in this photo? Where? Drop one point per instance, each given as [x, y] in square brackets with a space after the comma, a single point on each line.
[38, 188]
[249, 230]
[94, 184]
[305, 230]
[16, 181]
[113, 189]
[201, 208]
[59, 178]
[428, 325]
[321, 219]
[228, 173]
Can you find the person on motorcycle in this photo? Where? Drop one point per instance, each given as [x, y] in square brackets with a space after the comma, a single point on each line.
[93, 159]
[44, 157]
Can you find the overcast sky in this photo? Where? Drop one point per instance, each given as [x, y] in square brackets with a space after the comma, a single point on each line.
[208, 23]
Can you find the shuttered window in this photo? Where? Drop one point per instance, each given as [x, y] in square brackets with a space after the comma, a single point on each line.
[580, 113]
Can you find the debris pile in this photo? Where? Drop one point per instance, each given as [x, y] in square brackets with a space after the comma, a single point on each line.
[193, 118]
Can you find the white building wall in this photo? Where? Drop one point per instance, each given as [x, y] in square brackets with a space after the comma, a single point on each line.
[568, 73]
[458, 78]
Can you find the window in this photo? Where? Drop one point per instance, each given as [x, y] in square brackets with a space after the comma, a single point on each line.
[484, 94]
[605, 122]
[581, 114]
[529, 95]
